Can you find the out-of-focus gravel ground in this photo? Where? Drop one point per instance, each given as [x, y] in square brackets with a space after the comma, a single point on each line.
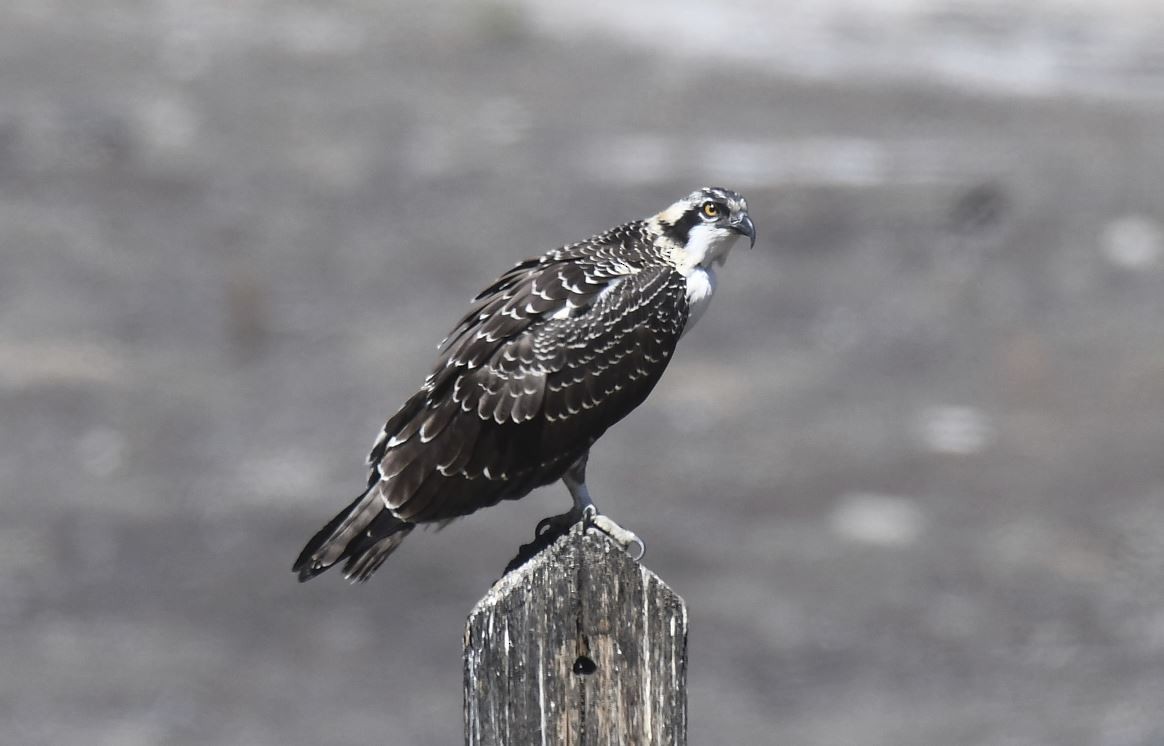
[908, 473]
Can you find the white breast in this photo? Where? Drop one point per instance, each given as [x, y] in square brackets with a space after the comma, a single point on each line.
[707, 247]
[700, 287]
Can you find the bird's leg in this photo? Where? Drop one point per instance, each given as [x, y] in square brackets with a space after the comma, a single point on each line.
[553, 528]
[559, 524]
[575, 480]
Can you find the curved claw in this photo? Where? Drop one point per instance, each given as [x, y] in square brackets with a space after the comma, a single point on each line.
[618, 534]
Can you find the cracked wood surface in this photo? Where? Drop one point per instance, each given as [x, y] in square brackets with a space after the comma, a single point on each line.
[581, 645]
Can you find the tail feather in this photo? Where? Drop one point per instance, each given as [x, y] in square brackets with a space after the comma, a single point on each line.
[364, 533]
[369, 550]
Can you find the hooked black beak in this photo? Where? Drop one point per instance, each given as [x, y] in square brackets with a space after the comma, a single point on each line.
[744, 227]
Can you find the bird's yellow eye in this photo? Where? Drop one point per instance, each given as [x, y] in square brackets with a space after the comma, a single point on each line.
[710, 210]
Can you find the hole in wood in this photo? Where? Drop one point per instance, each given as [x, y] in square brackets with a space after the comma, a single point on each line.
[584, 666]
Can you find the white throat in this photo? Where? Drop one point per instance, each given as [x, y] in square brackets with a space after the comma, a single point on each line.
[707, 247]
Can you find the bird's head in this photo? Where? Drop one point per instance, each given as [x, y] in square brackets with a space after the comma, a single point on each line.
[705, 224]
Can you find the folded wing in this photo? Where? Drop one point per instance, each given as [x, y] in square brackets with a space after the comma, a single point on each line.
[550, 356]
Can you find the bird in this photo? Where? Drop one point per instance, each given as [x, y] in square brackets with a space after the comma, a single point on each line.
[546, 359]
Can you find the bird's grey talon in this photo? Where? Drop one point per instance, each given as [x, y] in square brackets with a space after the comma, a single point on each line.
[556, 523]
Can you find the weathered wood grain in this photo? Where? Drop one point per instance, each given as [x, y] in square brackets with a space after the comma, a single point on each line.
[582, 645]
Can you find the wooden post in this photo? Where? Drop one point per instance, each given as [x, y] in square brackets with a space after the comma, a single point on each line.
[581, 645]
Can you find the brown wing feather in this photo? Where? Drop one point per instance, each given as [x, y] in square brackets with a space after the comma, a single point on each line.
[548, 357]
[516, 397]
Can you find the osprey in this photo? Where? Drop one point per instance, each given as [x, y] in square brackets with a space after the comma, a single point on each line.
[548, 357]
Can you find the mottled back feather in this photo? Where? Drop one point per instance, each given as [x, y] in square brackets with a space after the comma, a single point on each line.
[548, 357]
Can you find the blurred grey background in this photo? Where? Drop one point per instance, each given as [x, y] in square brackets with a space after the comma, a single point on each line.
[908, 472]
